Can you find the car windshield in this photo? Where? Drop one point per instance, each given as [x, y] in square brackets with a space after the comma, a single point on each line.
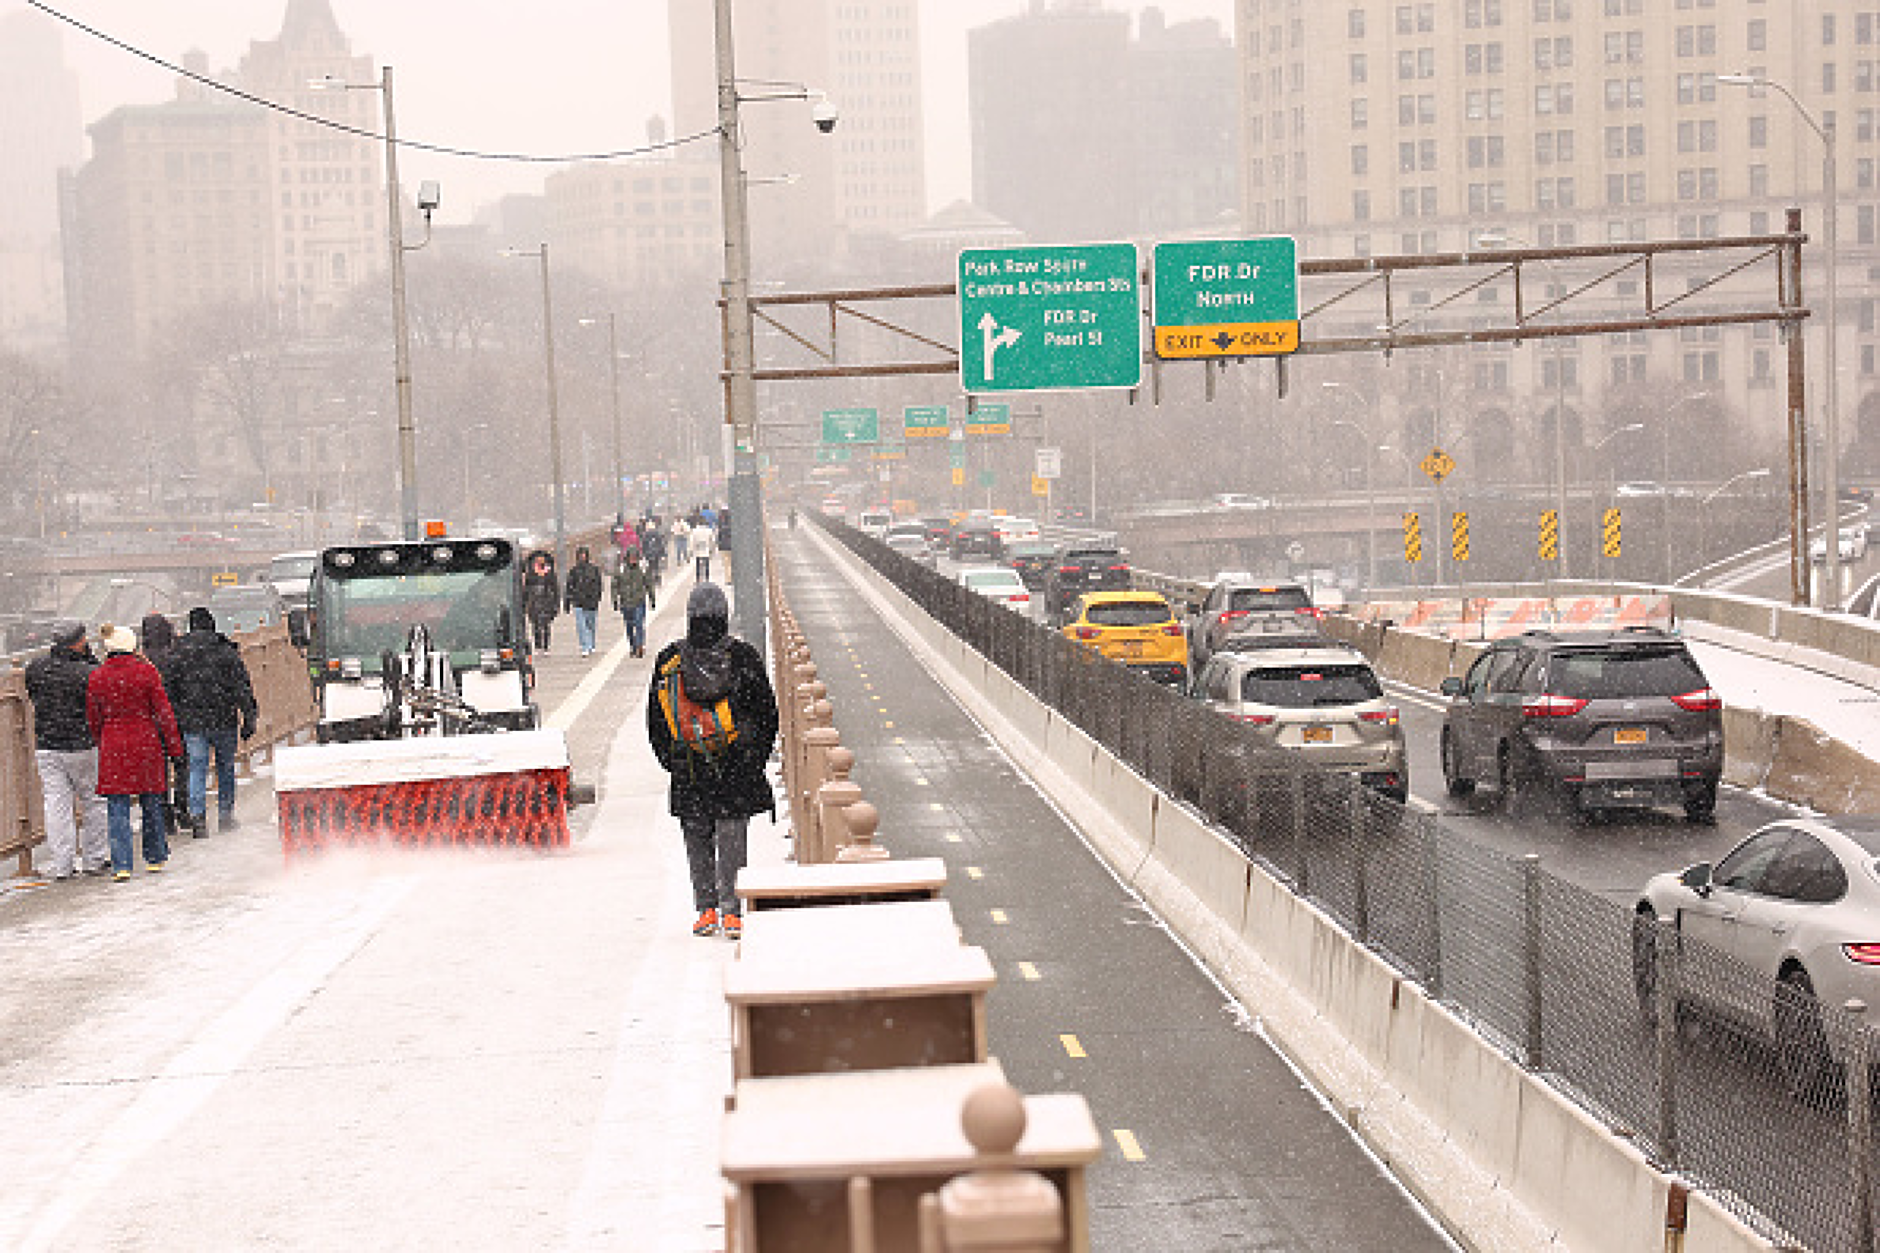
[1127, 613]
[913, 543]
[1270, 598]
[1608, 673]
[462, 610]
[1093, 557]
[300, 566]
[1309, 686]
[992, 578]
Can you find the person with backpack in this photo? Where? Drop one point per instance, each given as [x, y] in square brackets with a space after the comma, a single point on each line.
[711, 719]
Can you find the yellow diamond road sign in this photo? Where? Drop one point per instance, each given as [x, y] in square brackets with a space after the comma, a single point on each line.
[1439, 465]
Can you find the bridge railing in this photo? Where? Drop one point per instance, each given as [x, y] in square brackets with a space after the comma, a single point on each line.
[1768, 1107]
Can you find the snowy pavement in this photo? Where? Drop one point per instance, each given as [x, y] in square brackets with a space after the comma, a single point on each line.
[1846, 711]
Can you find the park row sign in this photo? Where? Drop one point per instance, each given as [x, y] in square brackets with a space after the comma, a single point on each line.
[1062, 317]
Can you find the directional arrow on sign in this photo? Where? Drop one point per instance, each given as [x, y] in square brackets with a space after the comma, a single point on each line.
[994, 337]
[1224, 341]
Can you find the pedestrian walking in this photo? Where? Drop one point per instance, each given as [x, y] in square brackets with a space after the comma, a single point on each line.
[721, 529]
[67, 756]
[701, 541]
[583, 597]
[680, 533]
[712, 720]
[541, 597]
[625, 537]
[634, 593]
[130, 718]
[158, 636]
[214, 701]
[654, 550]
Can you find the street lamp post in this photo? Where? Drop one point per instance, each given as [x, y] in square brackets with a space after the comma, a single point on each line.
[1370, 494]
[1831, 426]
[554, 415]
[613, 374]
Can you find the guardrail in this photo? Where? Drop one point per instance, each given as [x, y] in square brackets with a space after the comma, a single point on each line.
[283, 694]
[1480, 1000]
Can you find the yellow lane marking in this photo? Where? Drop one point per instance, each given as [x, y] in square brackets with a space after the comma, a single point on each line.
[889, 725]
[868, 687]
[1071, 1046]
[998, 916]
[1028, 972]
[954, 837]
[935, 805]
[1126, 1141]
[924, 783]
[974, 872]
[898, 739]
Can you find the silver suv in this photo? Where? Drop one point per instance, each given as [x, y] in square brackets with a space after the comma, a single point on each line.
[1593, 718]
[1323, 702]
[1234, 599]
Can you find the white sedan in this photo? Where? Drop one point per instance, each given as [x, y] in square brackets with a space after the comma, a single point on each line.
[1798, 904]
[997, 583]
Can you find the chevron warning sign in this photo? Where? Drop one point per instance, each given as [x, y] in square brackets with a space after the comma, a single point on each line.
[1550, 535]
[1610, 537]
[1459, 535]
[1412, 537]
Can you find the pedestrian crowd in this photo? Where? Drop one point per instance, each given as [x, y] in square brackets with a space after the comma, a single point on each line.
[135, 731]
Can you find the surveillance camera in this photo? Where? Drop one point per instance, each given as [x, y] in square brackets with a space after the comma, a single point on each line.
[429, 197]
[824, 115]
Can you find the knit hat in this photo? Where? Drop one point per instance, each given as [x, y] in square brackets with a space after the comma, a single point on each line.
[68, 634]
[200, 619]
[117, 639]
[707, 601]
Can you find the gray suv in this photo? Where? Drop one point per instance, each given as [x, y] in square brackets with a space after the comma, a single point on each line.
[1596, 719]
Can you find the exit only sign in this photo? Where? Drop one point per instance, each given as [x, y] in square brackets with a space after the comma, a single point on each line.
[1227, 297]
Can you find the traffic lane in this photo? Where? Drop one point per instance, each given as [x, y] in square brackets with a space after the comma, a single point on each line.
[1612, 853]
[1211, 1140]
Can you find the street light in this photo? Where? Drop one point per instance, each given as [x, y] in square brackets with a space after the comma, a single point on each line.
[746, 500]
[1831, 427]
[1370, 494]
[401, 326]
[1703, 510]
[554, 416]
[613, 373]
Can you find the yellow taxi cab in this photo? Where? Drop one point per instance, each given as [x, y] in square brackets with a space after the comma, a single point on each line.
[1137, 628]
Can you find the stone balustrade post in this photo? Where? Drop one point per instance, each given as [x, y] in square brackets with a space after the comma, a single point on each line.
[819, 741]
[832, 798]
[995, 1209]
[862, 819]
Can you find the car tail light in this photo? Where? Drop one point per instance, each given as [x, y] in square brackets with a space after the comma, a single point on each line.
[1023, 598]
[1548, 705]
[1256, 720]
[1232, 614]
[1172, 628]
[1310, 611]
[1087, 633]
[1070, 569]
[1387, 717]
[1124, 569]
[1703, 700]
[1864, 954]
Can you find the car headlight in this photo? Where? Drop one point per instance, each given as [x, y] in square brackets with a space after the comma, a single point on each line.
[489, 661]
[351, 668]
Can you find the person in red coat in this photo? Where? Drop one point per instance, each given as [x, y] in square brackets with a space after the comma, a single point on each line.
[131, 719]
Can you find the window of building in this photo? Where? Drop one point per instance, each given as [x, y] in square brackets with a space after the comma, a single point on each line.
[1360, 113]
[1360, 159]
[1827, 78]
[1758, 35]
[1357, 67]
[1354, 23]
[1361, 206]
[1759, 132]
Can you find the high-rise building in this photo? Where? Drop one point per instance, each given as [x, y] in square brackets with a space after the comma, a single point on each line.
[1082, 132]
[41, 133]
[812, 192]
[210, 200]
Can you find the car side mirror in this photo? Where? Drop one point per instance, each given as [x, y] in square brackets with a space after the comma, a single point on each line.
[1451, 687]
[1697, 878]
[297, 631]
[505, 628]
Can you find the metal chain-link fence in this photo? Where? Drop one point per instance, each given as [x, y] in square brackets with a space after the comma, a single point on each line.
[1740, 1087]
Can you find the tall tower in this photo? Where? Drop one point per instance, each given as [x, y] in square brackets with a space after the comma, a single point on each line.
[866, 178]
[41, 133]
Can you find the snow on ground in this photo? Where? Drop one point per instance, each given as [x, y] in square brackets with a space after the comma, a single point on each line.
[1848, 712]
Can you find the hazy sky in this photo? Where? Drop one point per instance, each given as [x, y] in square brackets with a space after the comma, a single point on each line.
[557, 76]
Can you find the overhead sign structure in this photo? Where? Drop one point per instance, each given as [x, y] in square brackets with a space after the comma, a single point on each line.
[1050, 318]
[1227, 297]
[851, 426]
[926, 421]
[989, 420]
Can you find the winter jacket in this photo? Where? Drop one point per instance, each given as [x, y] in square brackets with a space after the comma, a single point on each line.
[56, 683]
[541, 593]
[732, 785]
[633, 587]
[208, 683]
[584, 586]
[701, 541]
[130, 717]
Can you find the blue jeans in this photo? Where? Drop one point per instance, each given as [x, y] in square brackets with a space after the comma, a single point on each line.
[199, 743]
[636, 626]
[584, 627]
[118, 821]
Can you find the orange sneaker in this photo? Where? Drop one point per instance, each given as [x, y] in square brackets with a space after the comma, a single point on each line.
[733, 927]
[707, 923]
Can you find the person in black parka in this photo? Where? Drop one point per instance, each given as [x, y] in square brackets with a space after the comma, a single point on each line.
[541, 596]
[209, 687]
[714, 793]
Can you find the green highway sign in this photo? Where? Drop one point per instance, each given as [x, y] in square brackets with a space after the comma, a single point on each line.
[1050, 318]
[1227, 297]
[851, 426]
[926, 421]
[988, 478]
[989, 420]
[834, 453]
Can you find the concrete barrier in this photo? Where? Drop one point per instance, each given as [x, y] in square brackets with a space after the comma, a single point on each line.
[1749, 746]
[1813, 768]
[1508, 1163]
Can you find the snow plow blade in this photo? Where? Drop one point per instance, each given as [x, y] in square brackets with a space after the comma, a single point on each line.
[502, 788]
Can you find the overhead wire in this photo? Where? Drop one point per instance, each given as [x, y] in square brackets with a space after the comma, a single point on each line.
[315, 119]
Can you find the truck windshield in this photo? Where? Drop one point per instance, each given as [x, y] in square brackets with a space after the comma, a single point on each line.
[463, 610]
